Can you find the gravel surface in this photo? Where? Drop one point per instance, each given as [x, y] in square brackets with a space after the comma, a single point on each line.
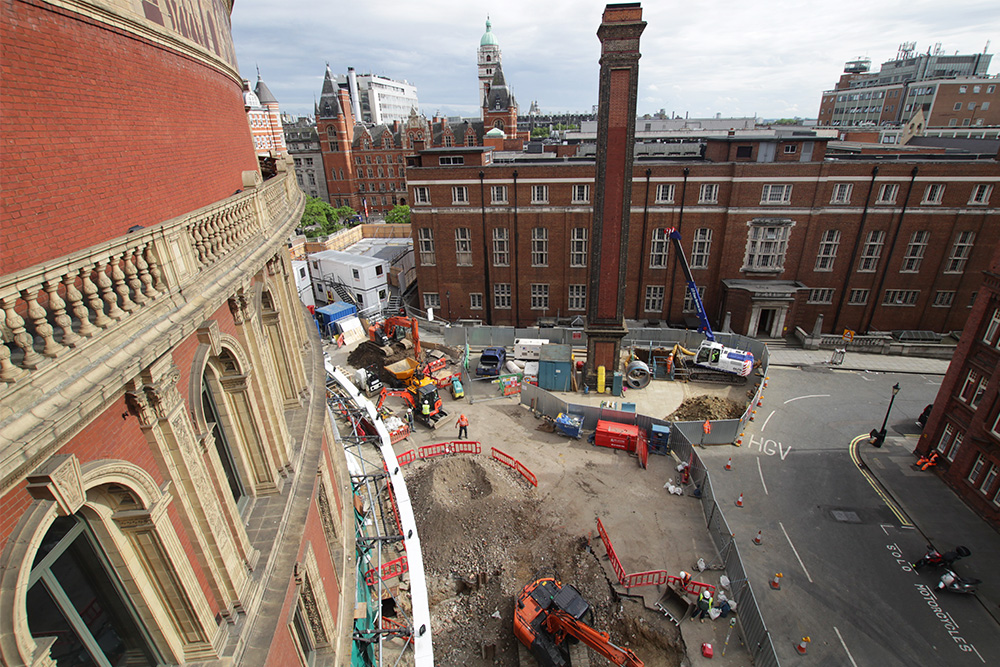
[491, 535]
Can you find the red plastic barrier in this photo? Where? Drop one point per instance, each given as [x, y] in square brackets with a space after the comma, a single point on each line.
[651, 578]
[409, 456]
[395, 626]
[427, 451]
[395, 510]
[693, 587]
[642, 451]
[391, 569]
[503, 457]
[612, 556]
[466, 446]
[399, 434]
[527, 474]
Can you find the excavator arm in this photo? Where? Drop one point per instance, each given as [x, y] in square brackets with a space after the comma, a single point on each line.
[560, 624]
[411, 324]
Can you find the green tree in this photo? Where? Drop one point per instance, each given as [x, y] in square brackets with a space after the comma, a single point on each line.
[344, 213]
[317, 213]
[399, 215]
[539, 132]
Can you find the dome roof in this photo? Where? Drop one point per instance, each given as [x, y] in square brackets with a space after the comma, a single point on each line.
[489, 39]
[495, 132]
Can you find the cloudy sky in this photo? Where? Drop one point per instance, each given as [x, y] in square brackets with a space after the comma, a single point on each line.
[771, 58]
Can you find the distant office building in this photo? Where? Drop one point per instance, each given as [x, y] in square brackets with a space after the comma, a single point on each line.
[378, 100]
[953, 91]
[964, 427]
[303, 145]
[264, 117]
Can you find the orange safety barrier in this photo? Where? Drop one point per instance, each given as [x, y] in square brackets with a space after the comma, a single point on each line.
[427, 451]
[693, 587]
[409, 456]
[395, 510]
[395, 626]
[612, 556]
[642, 451]
[527, 474]
[399, 434]
[466, 446]
[393, 568]
[503, 457]
[651, 578]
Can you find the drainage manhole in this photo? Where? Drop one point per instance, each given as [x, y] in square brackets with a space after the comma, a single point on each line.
[846, 516]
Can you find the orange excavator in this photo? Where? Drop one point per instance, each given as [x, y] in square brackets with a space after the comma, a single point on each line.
[547, 614]
[385, 333]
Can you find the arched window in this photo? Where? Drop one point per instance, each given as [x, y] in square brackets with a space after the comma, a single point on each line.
[75, 599]
[224, 442]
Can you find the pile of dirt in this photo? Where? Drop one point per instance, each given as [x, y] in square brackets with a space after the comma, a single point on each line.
[367, 354]
[485, 535]
[698, 408]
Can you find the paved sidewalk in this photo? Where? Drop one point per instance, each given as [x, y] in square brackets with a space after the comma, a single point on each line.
[857, 361]
[938, 513]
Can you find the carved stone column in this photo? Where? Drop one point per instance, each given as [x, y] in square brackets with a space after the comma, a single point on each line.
[246, 421]
[208, 509]
[266, 386]
[157, 548]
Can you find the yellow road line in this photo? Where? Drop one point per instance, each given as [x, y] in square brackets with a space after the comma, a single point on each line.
[874, 483]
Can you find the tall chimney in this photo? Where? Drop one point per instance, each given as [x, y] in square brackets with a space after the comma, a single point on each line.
[619, 33]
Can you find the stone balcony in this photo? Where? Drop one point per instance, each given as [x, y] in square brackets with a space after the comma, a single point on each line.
[75, 329]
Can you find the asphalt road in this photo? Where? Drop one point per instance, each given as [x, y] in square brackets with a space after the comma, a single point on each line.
[842, 546]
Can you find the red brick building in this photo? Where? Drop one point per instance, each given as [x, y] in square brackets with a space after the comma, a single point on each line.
[171, 491]
[776, 233]
[264, 116]
[365, 165]
[964, 427]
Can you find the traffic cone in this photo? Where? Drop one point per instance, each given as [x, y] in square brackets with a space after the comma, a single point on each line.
[760, 400]
[765, 380]
[739, 441]
[753, 414]
[776, 581]
[803, 645]
[739, 501]
[729, 463]
[757, 540]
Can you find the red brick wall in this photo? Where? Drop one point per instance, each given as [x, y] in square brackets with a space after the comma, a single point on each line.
[739, 202]
[283, 647]
[948, 95]
[91, 150]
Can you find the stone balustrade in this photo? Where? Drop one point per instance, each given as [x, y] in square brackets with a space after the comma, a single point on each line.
[54, 308]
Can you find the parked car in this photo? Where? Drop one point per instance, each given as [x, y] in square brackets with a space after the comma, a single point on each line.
[491, 362]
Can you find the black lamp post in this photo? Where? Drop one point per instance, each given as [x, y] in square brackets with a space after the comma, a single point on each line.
[877, 437]
[447, 296]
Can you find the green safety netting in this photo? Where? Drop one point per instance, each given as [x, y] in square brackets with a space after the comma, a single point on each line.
[363, 651]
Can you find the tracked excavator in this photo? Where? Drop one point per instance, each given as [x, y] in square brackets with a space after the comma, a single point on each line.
[548, 617]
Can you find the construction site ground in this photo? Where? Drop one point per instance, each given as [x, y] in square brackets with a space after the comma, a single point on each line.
[485, 532]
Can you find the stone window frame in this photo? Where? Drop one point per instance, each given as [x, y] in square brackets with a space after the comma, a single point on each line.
[311, 601]
[759, 248]
[137, 536]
